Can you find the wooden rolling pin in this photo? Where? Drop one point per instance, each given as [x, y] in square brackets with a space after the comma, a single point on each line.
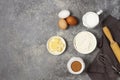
[114, 45]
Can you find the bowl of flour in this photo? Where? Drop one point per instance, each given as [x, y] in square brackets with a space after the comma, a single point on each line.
[85, 42]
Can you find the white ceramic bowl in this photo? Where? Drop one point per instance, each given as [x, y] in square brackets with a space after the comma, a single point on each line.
[56, 53]
[70, 63]
[85, 42]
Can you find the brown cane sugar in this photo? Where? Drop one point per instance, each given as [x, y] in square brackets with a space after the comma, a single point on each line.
[76, 66]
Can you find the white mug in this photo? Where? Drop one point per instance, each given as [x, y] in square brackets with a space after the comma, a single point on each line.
[91, 19]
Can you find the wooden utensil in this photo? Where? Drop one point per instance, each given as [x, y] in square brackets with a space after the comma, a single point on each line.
[113, 44]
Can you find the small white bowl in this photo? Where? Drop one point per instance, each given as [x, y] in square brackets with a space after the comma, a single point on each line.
[70, 63]
[56, 53]
[85, 42]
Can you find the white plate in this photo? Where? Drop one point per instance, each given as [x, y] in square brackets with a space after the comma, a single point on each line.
[56, 53]
[85, 42]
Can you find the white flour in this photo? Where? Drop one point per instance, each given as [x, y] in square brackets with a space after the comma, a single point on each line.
[85, 42]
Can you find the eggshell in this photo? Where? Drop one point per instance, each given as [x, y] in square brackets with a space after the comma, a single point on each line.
[62, 24]
[71, 20]
[64, 14]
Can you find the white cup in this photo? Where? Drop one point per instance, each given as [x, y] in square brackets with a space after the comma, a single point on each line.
[70, 63]
[91, 19]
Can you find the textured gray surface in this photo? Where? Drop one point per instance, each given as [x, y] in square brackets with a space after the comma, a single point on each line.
[26, 25]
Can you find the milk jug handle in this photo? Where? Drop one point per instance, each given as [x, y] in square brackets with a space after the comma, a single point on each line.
[100, 12]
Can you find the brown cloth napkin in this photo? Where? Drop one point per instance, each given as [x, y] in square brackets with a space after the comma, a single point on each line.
[102, 68]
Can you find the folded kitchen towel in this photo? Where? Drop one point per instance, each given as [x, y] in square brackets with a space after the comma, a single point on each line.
[105, 65]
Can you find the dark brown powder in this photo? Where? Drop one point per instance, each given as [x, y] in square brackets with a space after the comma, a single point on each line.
[76, 66]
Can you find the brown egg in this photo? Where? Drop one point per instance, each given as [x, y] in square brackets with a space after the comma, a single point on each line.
[72, 21]
[62, 24]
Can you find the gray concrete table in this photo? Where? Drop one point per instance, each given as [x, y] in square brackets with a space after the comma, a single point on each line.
[26, 25]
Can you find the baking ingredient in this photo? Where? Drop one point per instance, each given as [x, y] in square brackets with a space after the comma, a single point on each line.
[85, 42]
[76, 66]
[71, 20]
[56, 45]
[64, 14]
[62, 24]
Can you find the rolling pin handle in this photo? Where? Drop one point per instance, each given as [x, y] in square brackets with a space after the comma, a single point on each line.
[108, 34]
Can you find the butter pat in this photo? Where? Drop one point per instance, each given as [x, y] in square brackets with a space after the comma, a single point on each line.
[56, 45]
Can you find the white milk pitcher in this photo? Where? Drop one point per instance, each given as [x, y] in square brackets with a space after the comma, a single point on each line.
[91, 19]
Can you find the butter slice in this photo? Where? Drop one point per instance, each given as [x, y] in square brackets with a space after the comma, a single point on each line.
[56, 44]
